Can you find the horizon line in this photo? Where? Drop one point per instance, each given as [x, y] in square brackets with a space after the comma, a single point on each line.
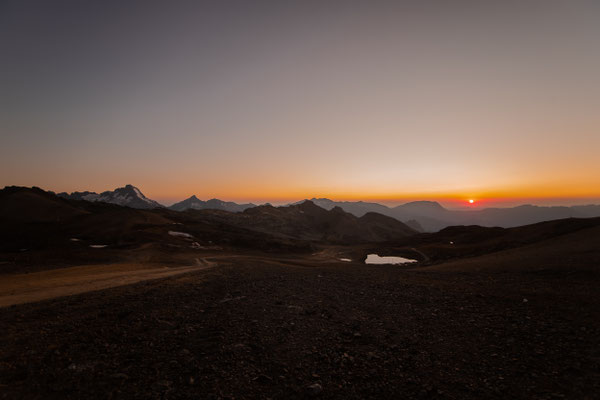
[447, 201]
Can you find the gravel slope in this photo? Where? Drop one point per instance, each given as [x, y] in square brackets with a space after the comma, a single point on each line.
[263, 329]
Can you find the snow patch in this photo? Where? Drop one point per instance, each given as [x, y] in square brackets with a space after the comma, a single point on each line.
[137, 191]
[180, 234]
[346, 259]
[115, 199]
[376, 259]
[90, 197]
[141, 196]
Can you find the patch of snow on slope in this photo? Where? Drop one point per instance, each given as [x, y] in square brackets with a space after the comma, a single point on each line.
[141, 196]
[180, 234]
[376, 259]
[90, 197]
[115, 199]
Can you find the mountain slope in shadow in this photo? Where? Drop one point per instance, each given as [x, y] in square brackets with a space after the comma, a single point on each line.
[569, 253]
[307, 221]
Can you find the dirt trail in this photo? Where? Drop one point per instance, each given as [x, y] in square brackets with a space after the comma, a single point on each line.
[37, 286]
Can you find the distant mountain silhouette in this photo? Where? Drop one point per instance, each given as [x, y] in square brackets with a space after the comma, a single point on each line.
[422, 207]
[213, 204]
[308, 221]
[358, 208]
[431, 216]
[418, 215]
[421, 216]
[128, 196]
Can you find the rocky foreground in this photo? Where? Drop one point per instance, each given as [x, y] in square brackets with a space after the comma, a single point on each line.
[259, 328]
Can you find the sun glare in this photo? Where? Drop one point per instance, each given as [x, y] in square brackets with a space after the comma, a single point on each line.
[471, 201]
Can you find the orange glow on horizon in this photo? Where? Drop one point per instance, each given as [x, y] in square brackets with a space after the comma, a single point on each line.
[452, 200]
[264, 192]
[351, 108]
[169, 191]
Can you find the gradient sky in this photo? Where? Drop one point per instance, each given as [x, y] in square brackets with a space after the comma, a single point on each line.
[274, 101]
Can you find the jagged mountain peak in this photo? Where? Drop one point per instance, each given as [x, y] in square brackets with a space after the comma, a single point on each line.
[128, 195]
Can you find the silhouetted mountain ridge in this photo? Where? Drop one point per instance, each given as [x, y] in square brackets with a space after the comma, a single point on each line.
[422, 216]
[308, 221]
[32, 218]
[213, 204]
[431, 216]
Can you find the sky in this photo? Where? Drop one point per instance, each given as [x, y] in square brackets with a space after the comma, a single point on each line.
[386, 101]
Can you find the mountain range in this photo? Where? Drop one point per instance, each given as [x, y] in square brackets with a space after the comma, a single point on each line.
[432, 216]
[33, 219]
[194, 203]
[308, 221]
[423, 216]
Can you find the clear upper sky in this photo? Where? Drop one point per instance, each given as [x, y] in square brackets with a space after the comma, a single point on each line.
[253, 100]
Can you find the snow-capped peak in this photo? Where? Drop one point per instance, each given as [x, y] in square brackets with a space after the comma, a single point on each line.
[128, 196]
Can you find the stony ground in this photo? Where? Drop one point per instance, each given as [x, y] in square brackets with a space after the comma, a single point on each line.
[252, 329]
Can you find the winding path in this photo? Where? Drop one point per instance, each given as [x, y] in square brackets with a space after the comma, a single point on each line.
[37, 286]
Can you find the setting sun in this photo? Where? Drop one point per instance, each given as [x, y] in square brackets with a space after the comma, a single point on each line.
[471, 201]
